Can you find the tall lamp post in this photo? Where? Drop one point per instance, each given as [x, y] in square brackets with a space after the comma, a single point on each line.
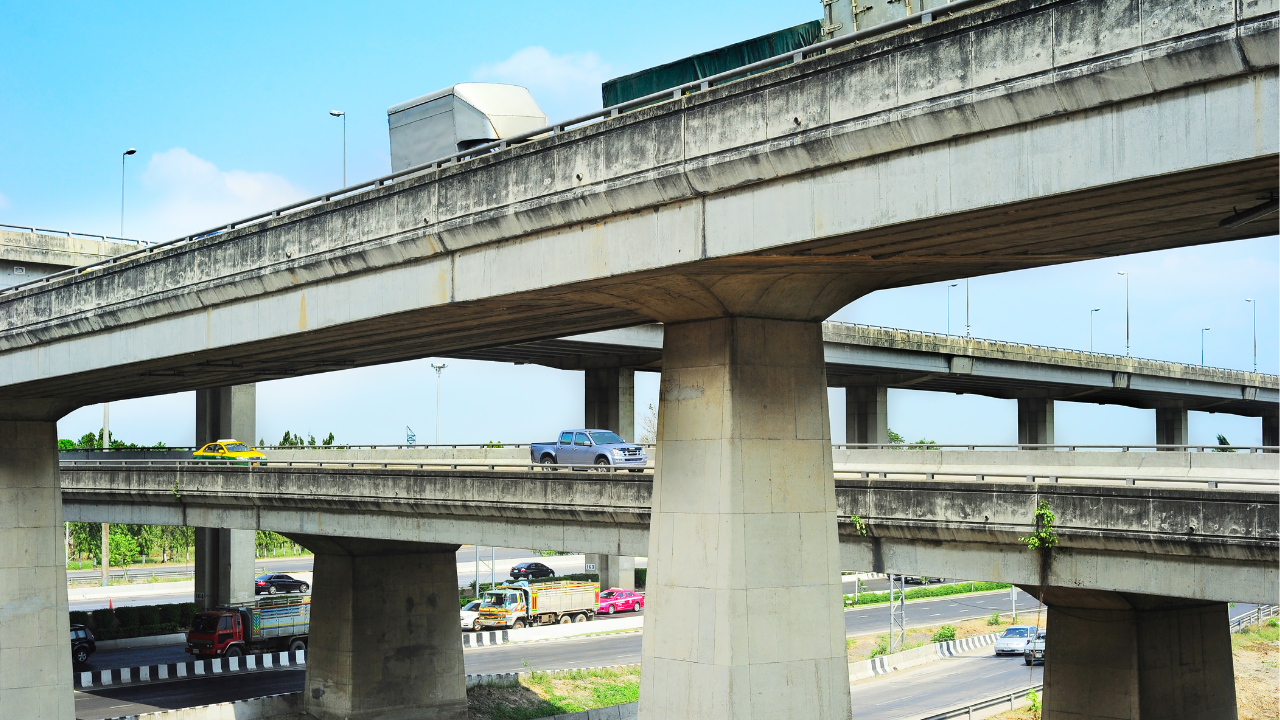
[966, 308]
[1126, 311]
[949, 306]
[343, 115]
[1255, 332]
[123, 155]
[438, 369]
[1091, 312]
[1202, 332]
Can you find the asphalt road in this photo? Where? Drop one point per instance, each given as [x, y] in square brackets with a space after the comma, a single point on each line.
[942, 685]
[113, 702]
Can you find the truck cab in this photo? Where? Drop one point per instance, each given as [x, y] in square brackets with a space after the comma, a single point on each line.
[268, 624]
[217, 633]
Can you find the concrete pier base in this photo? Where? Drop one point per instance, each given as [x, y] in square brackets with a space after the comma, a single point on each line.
[866, 414]
[35, 651]
[610, 401]
[1121, 656]
[386, 642]
[616, 571]
[1035, 421]
[1171, 426]
[743, 530]
[1271, 430]
[224, 566]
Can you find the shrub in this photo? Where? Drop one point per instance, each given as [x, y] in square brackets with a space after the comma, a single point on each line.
[583, 577]
[882, 646]
[168, 613]
[103, 618]
[994, 619]
[187, 611]
[1274, 622]
[79, 617]
[946, 633]
[127, 616]
[149, 615]
[642, 574]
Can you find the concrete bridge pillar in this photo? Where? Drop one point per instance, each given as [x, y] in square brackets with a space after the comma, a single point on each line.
[385, 639]
[1035, 421]
[611, 400]
[1129, 657]
[743, 529]
[866, 414]
[1171, 426]
[615, 570]
[35, 658]
[225, 558]
[1271, 430]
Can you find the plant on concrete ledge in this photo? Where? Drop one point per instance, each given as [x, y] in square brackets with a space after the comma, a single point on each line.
[859, 525]
[1044, 536]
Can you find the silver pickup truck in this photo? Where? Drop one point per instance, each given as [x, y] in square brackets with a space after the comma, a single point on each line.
[590, 447]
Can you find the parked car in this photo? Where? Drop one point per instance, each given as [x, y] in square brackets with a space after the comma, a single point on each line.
[531, 570]
[471, 615]
[1014, 640]
[273, 583]
[590, 447]
[82, 644]
[919, 579]
[230, 450]
[615, 600]
[1034, 651]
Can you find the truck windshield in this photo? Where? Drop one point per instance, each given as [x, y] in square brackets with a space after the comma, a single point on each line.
[204, 624]
[498, 599]
[606, 438]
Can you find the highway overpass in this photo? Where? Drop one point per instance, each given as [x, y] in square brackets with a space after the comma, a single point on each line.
[1007, 135]
[30, 253]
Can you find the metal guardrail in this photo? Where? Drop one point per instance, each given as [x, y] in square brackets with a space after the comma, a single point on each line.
[1121, 479]
[1070, 447]
[613, 111]
[997, 701]
[46, 231]
[1254, 617]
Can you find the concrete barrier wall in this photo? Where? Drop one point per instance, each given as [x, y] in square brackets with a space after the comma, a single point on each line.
[886, 664]
[273, 707]
[1260, 466]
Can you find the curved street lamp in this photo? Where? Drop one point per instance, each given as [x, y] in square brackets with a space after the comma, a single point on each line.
[123, 155]
[343, 115]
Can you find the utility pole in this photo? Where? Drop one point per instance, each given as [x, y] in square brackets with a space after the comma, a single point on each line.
[477, 571]
[106, 426]
[1013, 602]
[106, 553]
[897, 612]
[949, 306]
[967, 333]
[1202, 332]
[1091, 312]
[1254, 305]
[1126, 311]
[438, 369]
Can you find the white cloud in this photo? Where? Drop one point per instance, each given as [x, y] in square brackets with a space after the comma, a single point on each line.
[564, 85]
[4, 202]
[183, 193]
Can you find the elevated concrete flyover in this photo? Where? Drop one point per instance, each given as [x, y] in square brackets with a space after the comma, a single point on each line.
[1010, 135]
[29, 253]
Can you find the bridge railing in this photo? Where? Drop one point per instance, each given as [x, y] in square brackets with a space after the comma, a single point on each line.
[441, 464]
[1069, 447]
[612, 111]
[1254, 617]
[1066, 478]
[69, 233]
[1010, 700]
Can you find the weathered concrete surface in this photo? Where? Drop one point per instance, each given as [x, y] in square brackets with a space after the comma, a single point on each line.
[861, 356]
[60, 251]
[385, 641]
[224, 558]
[1059, 131]
[35, 659]
[743, 530]
[866, 414]
[1129, 656]
[1120, 538]
[610, 401]
[1205, 544]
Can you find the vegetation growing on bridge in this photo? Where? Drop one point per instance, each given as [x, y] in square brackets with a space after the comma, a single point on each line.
[1044, 537]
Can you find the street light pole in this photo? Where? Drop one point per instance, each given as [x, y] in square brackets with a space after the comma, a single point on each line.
[949, 306]
[966, 308]
[1202, 332]
[343, 115]
[1255, 332]
[1126, 311]
[1091, 312]
[124, 155]
[438, 368]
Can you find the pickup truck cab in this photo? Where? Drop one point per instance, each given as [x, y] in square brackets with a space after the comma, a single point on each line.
[590, 447]
[1034, 651]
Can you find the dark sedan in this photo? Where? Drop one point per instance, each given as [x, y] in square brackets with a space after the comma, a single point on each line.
[82, 644]
[531, 570]
[273, 583]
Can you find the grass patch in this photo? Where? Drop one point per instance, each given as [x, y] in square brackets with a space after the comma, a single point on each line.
[543, 694]
[864, 647]
[929, 591]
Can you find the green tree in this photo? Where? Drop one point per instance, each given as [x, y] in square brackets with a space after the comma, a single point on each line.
[1222, 440]
[895, 438]
[86, 540]
[146, 537]
[121, 544]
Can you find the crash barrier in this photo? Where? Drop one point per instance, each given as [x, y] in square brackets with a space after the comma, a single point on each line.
[259, 708]
[1254, 617]
[190, 669]
[990, 706]
[539, 633]
[886, 664]
[513, 678]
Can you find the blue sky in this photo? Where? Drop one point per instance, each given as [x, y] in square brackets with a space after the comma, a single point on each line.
[228, 108]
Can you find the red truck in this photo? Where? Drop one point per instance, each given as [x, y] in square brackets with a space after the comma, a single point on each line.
[265, 625]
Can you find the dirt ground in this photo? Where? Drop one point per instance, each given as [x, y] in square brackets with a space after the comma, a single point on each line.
[862, 646]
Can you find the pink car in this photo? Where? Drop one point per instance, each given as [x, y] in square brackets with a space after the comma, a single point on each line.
[617, 600]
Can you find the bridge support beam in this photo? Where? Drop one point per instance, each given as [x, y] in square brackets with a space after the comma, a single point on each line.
[611, 401]
[743, 529]
[1171, 426]
[1127, 657]
[225, 558]
[35, 660]
[1271, 430]
[866, 414]
[1035, 421]
[615, 570]
[385, 640]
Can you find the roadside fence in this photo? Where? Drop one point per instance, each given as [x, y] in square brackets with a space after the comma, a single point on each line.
[1000, 703]
[1255, 616]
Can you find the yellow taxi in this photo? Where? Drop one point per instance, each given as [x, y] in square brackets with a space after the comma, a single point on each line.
[230, 450]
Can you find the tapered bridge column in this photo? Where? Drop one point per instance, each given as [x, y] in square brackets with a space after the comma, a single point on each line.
[743, 530]
[35, 654]
[385, 641]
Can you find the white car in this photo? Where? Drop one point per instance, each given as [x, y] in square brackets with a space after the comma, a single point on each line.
[1014, 640]
[471, 615]
[1034, 652]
